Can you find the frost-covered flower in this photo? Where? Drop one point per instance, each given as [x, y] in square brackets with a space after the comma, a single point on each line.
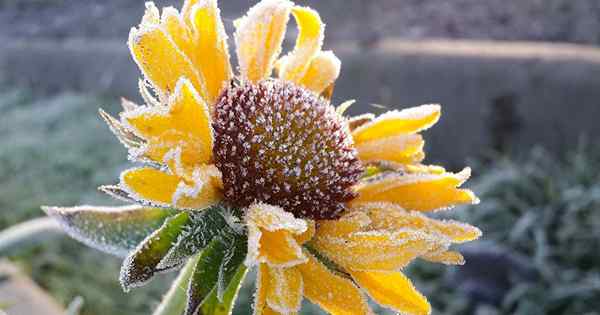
[243, 170]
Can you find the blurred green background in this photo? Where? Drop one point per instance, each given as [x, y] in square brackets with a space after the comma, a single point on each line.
[523, 116]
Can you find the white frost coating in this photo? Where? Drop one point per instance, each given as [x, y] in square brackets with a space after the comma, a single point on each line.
[128, 105]
[191, 191]
[84, 223]
[413, 113]
[123, 134]
[342, 108]
[149, 25]
[282, 289]
[148, 98]
[247, 34]
[272, 218]
[395, 180]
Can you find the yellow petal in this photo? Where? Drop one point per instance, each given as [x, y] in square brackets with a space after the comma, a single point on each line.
[394, 123]
[308, 234]
[349, 223]
[322, 72]
[150, 184]
[165, 189]
[184, 123]
[271, 236]
[392, 217]
[284, 293]
[331, 292]
[421, 192]
[263, 283]
[446, 257]
[427, 169]
[309, 42]
[279, 248]
[394, 290]
[211, 53]
[258, 38]
[375, 250]
[404, 149]
[160, 60]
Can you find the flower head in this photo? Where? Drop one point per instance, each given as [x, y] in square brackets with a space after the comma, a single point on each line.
[243, 170]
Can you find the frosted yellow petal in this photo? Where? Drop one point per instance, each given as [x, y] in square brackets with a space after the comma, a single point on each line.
[309, 42]
[160, 60]
[394, 123]
[201, 189]
[404, 149]
[388, 216]
[349, 223]
[150, 184]
[273, 218]
[258, 38]
[284, 294]
[394, 290]
[279, 248]
[211, 53]
[263, 284]
[375, 250]
[271, 236]
[164, 189]
[322, 72]
[421, 192]
[308, 234]
[446, 257]
[184, 123]
[333, 293]
[427, 169]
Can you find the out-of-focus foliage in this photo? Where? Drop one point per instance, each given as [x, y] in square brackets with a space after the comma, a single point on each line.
[540, 217]
[540, 252]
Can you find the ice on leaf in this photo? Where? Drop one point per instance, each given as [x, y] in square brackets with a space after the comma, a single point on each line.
[205, 276]
[115, 230]
[195, 235]
[141, 265]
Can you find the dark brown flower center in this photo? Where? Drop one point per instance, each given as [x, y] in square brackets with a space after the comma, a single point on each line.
[280, 144]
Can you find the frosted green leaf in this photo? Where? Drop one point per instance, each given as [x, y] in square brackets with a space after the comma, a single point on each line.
[141, 265]
[212, 305]
[197, 234]
[205, 275]
[115, 230]
[235, 254]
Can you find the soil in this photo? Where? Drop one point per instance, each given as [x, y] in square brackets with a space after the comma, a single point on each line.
[576, 21]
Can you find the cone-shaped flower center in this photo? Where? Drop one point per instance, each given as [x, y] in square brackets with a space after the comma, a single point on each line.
[280, 144]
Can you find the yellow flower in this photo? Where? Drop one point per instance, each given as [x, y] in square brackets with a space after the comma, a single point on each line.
[330, 204]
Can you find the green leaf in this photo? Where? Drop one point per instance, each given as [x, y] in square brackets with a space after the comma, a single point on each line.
[234, 257]
[212, 305]
[205, 275]
[196, 235]
[141, 264]
[115, 230]
[174, 302]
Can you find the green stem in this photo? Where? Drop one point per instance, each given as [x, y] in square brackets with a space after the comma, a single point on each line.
[175, 301]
